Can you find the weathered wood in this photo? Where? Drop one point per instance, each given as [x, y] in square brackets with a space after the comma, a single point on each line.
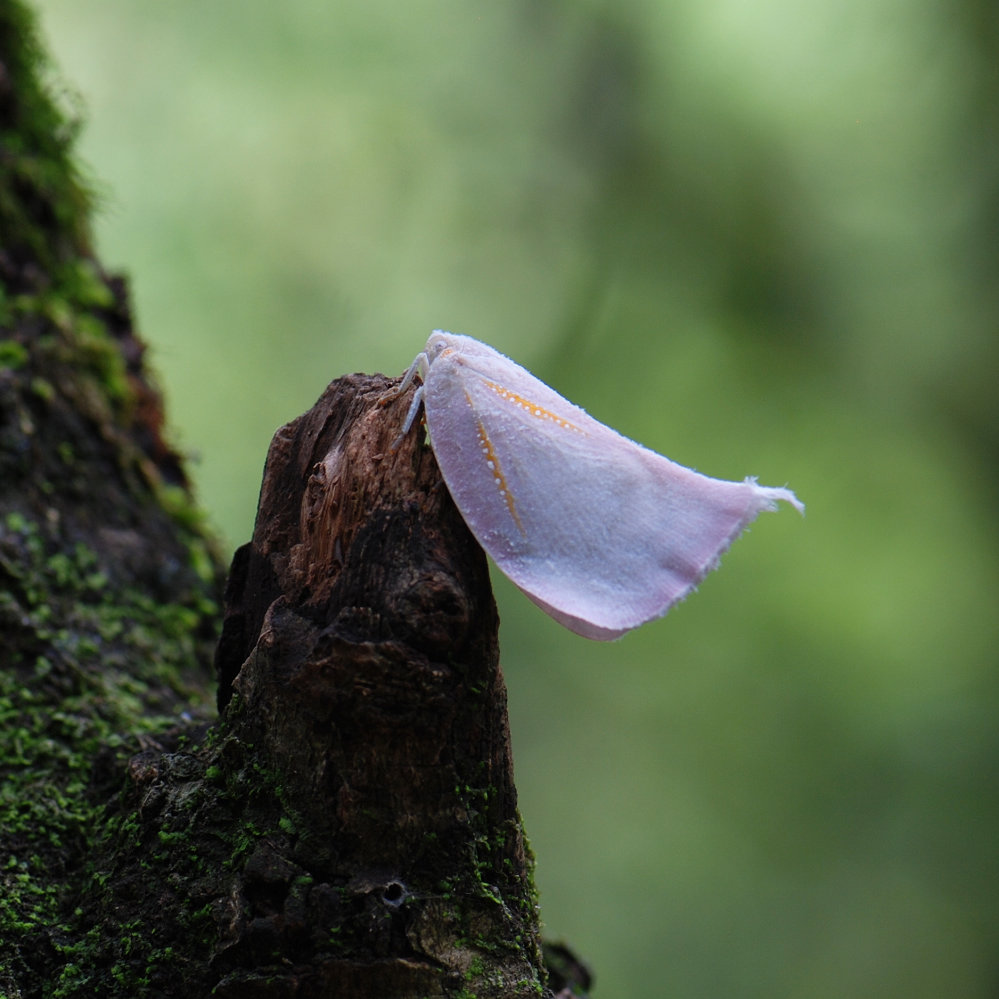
[360, 640]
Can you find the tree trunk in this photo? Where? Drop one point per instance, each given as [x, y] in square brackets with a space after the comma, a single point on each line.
[348, 825]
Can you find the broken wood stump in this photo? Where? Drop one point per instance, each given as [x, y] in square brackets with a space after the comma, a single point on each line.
[359, 660]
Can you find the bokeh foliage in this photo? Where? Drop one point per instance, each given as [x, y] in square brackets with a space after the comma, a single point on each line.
[761, 239]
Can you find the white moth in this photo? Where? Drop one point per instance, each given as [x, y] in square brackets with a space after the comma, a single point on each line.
[598, 531]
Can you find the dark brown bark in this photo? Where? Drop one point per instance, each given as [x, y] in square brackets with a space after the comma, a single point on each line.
[361, 636]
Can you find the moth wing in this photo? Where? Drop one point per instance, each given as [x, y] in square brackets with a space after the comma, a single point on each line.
[600, 532]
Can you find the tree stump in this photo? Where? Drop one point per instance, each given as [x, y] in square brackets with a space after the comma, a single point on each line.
[360, 646]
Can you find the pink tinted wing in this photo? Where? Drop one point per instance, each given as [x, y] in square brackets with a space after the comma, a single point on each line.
[600, 532]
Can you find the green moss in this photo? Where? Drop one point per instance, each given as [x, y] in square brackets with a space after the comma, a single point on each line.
[91, 649]
[71, 689]
[197, 843]
[177, 502]
[13, 354]
[43, 194]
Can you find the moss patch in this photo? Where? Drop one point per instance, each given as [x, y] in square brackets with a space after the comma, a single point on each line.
[92, 674]
[108, 579]
[44, 205]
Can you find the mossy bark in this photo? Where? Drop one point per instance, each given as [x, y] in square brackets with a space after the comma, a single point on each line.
[348, 825]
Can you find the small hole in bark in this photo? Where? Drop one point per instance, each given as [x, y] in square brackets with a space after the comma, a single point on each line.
[394, 894]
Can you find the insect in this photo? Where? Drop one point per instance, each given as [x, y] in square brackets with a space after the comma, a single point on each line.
[600, 532]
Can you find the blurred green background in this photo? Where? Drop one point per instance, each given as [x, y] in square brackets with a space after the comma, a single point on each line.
[761, 239]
